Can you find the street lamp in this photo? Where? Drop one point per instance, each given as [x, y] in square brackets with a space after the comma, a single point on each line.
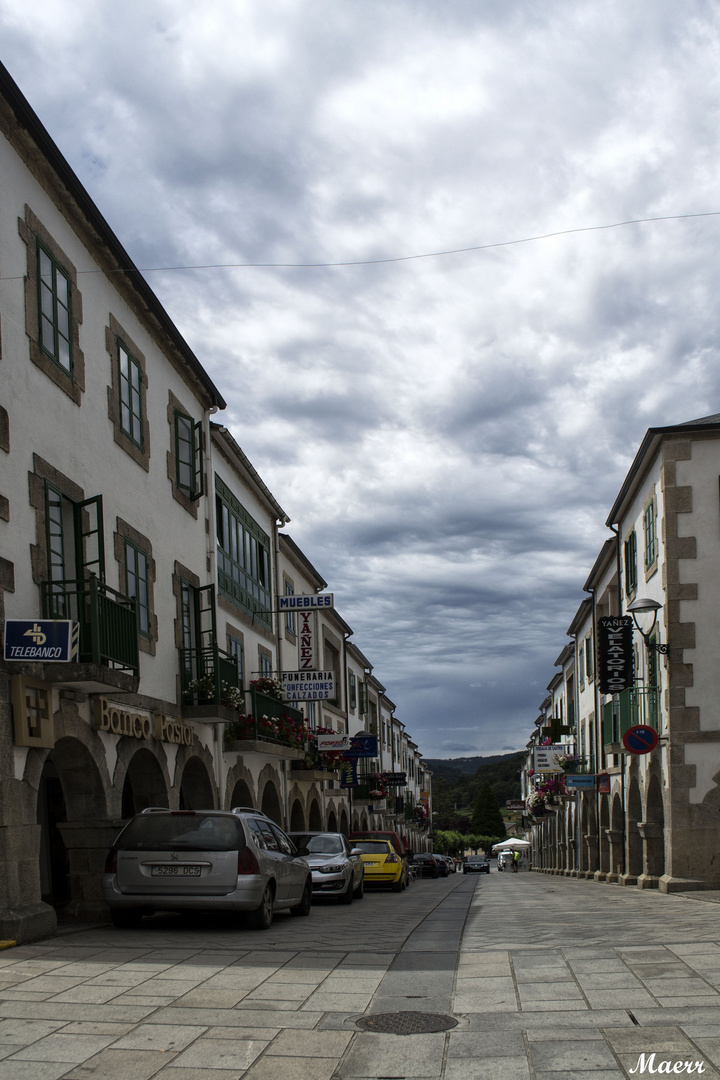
[646, 606]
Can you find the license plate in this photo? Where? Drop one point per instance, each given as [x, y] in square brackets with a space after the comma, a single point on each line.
[372, 863]
[176, 871]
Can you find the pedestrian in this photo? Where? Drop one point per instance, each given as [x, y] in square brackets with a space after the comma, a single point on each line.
[516, 861]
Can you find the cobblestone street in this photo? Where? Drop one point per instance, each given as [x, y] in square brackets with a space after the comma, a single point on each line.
[546, 976]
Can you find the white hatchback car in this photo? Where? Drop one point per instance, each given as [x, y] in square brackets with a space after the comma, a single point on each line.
[205, 860]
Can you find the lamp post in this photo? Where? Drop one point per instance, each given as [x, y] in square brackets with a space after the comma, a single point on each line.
[646, 606]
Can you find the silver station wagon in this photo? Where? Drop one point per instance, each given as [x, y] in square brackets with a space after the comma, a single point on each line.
[205, 860]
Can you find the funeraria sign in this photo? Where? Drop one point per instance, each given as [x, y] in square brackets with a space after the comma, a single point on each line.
[615, 654]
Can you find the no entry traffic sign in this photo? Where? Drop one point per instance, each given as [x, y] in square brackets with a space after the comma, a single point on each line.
[640, 739]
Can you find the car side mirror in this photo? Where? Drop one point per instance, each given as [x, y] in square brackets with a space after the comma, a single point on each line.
[355, 851]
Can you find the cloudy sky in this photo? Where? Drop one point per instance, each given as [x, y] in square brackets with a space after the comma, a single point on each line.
[446, 433]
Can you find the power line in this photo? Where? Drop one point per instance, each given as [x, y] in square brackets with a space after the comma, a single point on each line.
[396, 258]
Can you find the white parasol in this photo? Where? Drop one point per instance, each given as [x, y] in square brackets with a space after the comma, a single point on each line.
[511, 843]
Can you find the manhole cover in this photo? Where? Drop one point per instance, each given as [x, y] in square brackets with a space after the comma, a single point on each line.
[406, 1023]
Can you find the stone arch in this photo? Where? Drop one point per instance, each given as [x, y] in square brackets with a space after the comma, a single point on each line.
[355, 822]
[314, 817]
[269, 794]
[145, 782]
[196, 788]
[270, 802]
[364, 822]
[343, 824]
[331, 821]
[200, 782]
[297, 817]
[71, 813]
[239, 788]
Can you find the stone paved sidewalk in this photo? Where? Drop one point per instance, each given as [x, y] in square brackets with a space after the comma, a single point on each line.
[548, 977]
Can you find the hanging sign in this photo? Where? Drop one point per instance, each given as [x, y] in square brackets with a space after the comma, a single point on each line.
[579, 782]
[615, 654]
[308, 685]
[640, 739]
[306, 641]
[47, 640]
[394, 779]
[546, 758]
[603, 783]
[299, 603]
[350, 746]
[348, 774]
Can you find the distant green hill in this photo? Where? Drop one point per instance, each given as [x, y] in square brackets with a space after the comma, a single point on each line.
[450, 768]
[456, 782]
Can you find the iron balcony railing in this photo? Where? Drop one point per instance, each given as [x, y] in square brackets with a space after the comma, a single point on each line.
[581, 767]
[107, 619]
[209, 676]
[636, 705]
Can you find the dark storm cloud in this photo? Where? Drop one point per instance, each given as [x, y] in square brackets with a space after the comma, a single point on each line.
[448, 434]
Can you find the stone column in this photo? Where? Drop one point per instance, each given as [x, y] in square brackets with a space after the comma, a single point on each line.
[592, 854]
[23, 915]
[88, 844]
[653, 834]
[615, 842]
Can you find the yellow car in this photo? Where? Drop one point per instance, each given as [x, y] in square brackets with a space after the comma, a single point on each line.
[383, 865]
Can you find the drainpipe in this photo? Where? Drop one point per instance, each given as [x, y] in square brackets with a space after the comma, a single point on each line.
[210, 566]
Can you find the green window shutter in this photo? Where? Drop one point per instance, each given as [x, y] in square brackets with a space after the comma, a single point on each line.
[185, 453]
[607, 723]
[89, 538]
[198, 470]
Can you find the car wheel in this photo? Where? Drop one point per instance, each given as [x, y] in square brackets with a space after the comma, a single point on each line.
[261, 918]
[396, 886]
[360, 891]
[125, 920]
[348, 896]
[464, 871]
[303, 908]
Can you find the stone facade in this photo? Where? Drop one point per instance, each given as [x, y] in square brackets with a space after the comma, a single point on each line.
[655, 822]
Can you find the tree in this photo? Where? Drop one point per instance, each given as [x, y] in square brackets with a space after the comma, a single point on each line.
[486, 817]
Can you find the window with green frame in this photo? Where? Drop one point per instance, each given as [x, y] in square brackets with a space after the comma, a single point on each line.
[54, 305]
[243, 556]
[188, 455]
[631, 564]
[650, 534]
[130, 383]
[235, 650]
[136, 584]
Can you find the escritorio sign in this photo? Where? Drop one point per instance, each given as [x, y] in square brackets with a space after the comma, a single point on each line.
[118, 720]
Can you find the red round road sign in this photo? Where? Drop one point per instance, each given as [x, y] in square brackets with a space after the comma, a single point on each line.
[640, 739]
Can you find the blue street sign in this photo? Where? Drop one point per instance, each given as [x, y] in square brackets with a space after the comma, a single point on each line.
[640, 739]
[53, 640]
[579, 781]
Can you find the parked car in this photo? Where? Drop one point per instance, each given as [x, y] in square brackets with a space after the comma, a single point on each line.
[383, 865]
[205, 860]
[396, 841]
[337, 868]
[476, 864]
[441, 865]
[425, 864]
[451, 864]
